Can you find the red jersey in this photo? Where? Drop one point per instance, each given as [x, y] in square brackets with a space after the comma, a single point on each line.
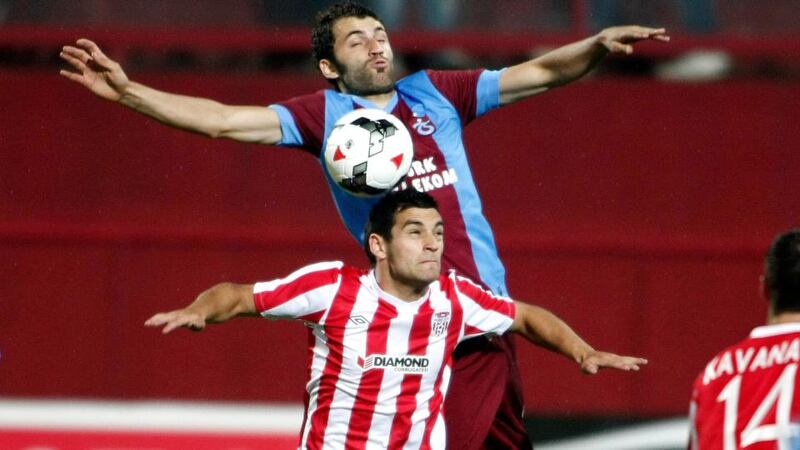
[745, 398]
[379, 366]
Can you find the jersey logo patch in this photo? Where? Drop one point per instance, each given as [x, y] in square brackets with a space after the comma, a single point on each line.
[399, 364]
[423, 126]
[422, 123]
[441, 320]
[359, 320]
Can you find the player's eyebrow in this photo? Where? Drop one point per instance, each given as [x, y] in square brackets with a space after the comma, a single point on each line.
[412, 222]
[362, 32]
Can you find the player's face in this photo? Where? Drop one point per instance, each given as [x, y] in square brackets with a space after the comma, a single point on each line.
[414, 255]
[363, 56]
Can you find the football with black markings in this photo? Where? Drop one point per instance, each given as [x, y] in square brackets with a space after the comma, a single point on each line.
[368, 152]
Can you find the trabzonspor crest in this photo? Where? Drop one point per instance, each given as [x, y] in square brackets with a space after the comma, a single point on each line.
[368, 152]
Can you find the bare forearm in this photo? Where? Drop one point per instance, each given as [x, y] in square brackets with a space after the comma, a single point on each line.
[570, 62]
[545, 329]
[194, 114]
[205, 116]
[218, 304]
[91, 68]
[550, 70]
[223, 302]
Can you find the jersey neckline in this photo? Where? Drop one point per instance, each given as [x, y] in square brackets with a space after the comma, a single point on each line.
[372, 282]
[775, 329]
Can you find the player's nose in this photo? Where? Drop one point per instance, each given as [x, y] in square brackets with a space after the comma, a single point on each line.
[431, 243]
[375, 47]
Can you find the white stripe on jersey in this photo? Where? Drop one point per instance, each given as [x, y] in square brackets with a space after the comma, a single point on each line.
[318, 358]
[355, 339]
[436, 345]
[399, 335]
[304, 303]
[488, 320]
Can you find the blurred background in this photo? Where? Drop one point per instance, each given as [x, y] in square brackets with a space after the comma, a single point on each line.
[636, 204]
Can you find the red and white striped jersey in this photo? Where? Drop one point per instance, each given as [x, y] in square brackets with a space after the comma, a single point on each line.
[745, 398]
[379, 366]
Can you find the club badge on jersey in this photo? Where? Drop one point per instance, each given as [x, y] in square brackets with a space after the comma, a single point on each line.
[422, 123]
[441, 320]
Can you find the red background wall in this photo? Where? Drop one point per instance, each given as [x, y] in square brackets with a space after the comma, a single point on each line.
[637, 210]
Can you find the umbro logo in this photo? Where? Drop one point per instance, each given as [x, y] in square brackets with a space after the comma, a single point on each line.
[359, 320]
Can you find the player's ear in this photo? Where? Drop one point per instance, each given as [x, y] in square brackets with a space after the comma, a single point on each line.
[328, 69]
[377, 245]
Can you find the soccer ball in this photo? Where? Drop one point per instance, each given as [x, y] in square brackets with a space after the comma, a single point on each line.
[368, 152]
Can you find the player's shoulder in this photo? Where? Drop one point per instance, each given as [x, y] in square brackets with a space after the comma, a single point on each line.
[765, 336]
[452, 278]
[439, 77]
[339, 267]
[776, 331]
[763, 347]
[326, 265]
[327, 269]
[312, 99]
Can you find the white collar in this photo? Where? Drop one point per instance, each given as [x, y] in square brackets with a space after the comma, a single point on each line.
[775, 329]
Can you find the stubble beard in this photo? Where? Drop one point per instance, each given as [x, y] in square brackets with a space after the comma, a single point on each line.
[363, 83]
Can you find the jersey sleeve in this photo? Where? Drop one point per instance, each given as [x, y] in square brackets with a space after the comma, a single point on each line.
[306, 294]
[302, 121]
[473, 93]
[484, 313]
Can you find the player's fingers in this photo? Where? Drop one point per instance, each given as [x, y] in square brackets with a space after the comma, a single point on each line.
[157, 320]
[632, 363]
[76, 77]
[653, 33]
[87, 45]
[171, 326]
[618, 47]
[96, 54]
[77, 53]
[190, 323]
[73, 61]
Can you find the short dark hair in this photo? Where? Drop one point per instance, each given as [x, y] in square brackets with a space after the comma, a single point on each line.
[322, 38]
[381, 217]
[782, 272]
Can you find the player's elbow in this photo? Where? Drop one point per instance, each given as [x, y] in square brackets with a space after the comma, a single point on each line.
[218, 128]
[220, 123]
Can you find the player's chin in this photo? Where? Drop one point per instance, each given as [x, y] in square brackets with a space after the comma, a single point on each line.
[383, 81]
[430, 271]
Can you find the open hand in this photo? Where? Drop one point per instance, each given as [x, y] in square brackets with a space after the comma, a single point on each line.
[94, 70]
[596, 360]
[620, 39]
[176, 319]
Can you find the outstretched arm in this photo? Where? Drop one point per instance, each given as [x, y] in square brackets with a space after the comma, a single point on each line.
[105, 78]
[218, 304]
[572, 61]
[543, 328]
